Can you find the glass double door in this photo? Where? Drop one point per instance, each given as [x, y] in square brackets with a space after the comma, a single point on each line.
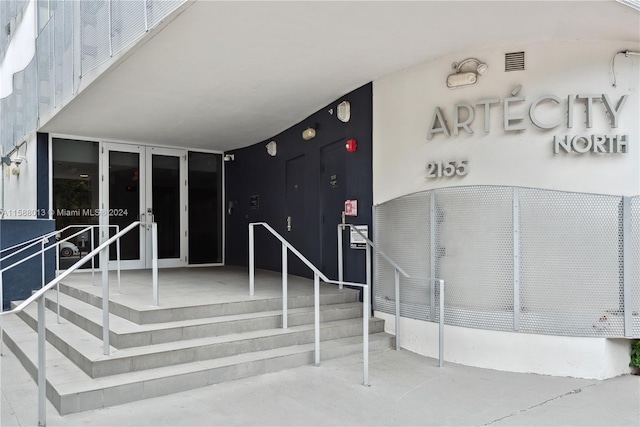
[146, 184]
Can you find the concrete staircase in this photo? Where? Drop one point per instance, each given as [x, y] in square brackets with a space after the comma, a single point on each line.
[160, 351]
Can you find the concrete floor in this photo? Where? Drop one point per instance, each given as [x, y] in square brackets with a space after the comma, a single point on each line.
[187, 287]
[406, 389]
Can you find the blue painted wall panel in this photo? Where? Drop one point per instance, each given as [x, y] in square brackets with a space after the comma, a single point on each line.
[20, 281]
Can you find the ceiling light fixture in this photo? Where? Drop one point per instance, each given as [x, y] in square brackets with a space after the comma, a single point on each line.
[466, 78]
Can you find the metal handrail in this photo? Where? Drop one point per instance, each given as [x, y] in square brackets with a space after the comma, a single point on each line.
[102, 251]
[375, 247]
[317, 275]
[41, 253]
[36, 240]
[397, 271]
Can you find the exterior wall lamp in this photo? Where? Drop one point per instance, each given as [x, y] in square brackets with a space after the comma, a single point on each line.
[465, 78]
[308, 133]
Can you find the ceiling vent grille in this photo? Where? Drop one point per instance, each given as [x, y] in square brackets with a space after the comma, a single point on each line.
[514, 61]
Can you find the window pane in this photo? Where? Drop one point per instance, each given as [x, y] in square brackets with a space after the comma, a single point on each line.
[75, 195]
[205, 208]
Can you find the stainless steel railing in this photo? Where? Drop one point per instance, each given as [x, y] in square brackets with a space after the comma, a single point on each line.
[103, 251]
[398, 270]
[42, 241]
[317, 275]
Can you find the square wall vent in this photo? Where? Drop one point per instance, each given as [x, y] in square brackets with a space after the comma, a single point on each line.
[514, 61]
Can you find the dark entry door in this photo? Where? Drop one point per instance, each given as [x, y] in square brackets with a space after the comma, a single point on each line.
[295, 214]
[332, 196]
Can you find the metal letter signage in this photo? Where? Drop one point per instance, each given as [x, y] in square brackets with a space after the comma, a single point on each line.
[514, 111]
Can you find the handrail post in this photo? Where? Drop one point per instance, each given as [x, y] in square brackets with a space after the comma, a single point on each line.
[154, 263]
[57, 261]
[57, 285]
[316, 294]
[93, 266]
[1, 309]
[104, 266]
[252, 266]
[365, 339]
[284, 286]
[397, 290]
[118, 256]
[42, 262]
[369, 288]
[340, 260]
[42, 364]
[441, 326]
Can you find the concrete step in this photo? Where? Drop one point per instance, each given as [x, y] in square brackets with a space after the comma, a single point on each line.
[86, 351]
[72, 390]
[329, 294]
[126, 334]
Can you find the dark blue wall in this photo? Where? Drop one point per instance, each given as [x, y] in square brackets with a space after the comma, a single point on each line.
[254, 172]
[19, 281]
[42, 195]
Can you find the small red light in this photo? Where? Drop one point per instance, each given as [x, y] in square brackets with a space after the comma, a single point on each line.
[351, 145]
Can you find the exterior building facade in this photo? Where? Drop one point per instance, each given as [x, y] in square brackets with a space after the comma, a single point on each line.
[513, 175]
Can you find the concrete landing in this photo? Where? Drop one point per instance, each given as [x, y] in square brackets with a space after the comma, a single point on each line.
[406, 389]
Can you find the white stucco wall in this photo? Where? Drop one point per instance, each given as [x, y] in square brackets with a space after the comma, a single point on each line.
[596, 358]
[404, 103]
[403, 106]
[20, 191]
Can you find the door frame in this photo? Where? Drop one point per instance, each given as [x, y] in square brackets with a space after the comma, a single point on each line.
[145, 153]
[181, 261]
[101, 142]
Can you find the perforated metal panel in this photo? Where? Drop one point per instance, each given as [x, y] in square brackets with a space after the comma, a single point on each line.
[58, 55]
[571, 263]
[4, 20]
[157, 10]
[30, 98]
[474, 254]
[95, 23]
[18, 104]
[7, 116]
[403, 233]
[43, 13]
[635, 264]
[568, 252]
[127, 23]
[68, 58]
[44, 56]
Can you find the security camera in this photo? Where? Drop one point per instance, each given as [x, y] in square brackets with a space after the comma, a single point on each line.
[19, 159]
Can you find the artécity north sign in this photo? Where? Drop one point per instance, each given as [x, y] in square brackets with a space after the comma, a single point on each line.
[566, 113]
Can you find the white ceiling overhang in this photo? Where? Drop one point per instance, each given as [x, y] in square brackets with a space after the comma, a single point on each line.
[224, 75]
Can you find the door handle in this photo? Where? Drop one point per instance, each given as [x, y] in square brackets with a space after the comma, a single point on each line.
[289, 223]
[151, 216]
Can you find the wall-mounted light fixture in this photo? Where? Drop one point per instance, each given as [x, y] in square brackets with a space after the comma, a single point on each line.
[344, 111]
[229, 157]
[465, 78]
[272, 148]
[19, 159]
[308, 133]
